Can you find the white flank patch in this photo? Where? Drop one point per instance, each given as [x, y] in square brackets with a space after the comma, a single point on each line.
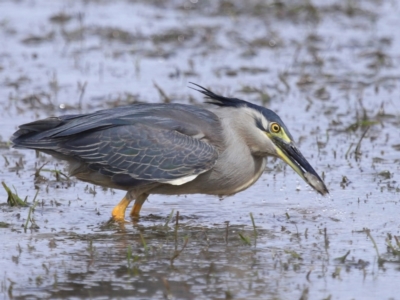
[182, 180]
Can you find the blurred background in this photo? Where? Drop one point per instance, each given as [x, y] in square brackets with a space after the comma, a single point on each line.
[330, 69]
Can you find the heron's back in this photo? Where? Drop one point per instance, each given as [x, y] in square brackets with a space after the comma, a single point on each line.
[130, 146]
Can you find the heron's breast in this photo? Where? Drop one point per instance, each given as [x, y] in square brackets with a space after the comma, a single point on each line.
[217, 181]
[226, 180]
[243, 179]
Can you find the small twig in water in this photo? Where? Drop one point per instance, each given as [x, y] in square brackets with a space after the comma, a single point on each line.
[326, 239]
[254, 225]
[380, 260]
[348, 151]
[342, 259]
[162, 93]
[245, 239]
[357, 152]
[169, 218]
[177, 253]
[143, 242]
[177, 219]
[167, 287]
[176, 230]
[397, 241]
[308, 275]
[37, 172]
[227, 232]
[31, 209]
[82, 89]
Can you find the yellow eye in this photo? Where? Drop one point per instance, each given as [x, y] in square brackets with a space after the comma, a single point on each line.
[275, 128]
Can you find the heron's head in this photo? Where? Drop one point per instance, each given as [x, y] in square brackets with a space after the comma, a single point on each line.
[273, 137]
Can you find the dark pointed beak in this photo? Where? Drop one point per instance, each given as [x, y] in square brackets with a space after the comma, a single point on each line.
[293, 157]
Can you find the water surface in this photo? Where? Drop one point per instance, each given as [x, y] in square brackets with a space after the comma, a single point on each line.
[331, 71]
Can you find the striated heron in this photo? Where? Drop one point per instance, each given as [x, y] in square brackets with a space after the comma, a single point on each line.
[169, 149]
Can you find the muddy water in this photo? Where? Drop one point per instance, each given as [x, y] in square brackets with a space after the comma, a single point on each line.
[330, 70]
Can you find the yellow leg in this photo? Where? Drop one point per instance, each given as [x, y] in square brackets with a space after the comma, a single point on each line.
[138, 205]
[118, 213]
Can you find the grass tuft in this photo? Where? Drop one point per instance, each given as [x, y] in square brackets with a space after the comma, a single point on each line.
[14, 199]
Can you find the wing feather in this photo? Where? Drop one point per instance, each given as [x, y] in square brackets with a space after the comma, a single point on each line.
[141, 143]
[143, 153]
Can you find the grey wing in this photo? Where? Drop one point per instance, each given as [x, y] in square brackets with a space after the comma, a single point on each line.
[131, 144]
[140, 152]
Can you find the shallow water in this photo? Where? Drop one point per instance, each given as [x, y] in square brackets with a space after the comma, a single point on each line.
[331, 71]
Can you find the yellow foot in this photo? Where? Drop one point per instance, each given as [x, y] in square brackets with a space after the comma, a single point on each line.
[138, 206]
[118, 213]
[136, 210]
